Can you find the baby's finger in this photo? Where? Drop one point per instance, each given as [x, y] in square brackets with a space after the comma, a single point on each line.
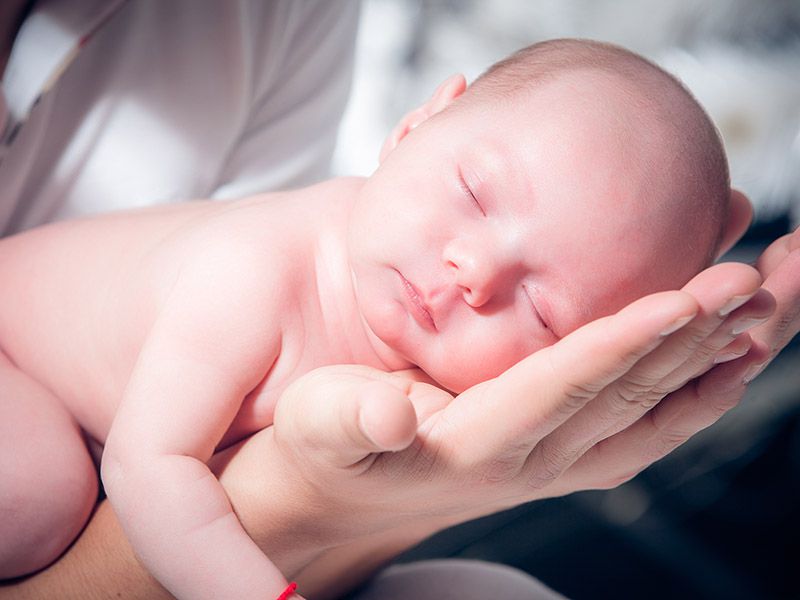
[339, 416]
[386, 420]
[425, 394]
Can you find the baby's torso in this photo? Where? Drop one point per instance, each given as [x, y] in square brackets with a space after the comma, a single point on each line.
[82, 296]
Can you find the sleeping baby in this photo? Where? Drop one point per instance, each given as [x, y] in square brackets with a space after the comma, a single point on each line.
[568, 180]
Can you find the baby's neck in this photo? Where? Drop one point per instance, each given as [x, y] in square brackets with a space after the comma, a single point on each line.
[334, 292]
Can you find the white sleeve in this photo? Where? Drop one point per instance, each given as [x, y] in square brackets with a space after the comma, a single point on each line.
[298, 99]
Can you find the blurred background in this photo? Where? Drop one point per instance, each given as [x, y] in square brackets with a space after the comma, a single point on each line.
[720, 517]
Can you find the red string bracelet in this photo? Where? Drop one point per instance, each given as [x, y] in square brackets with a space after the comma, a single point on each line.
[287, 593]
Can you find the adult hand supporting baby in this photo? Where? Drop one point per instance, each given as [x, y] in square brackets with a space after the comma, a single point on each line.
[564, 419]
[701, 402]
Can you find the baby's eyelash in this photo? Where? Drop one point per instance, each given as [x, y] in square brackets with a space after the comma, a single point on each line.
[536, 312]
[468, 192]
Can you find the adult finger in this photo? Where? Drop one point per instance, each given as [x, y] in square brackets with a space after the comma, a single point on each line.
[740, 215]
[674, 420]
[719, 290]
[783, 282]
[774, 254]
[736, 349]
[755, 311]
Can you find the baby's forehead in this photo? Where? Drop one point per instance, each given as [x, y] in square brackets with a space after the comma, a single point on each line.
[560, 134]
[602, 129]
[585, 85]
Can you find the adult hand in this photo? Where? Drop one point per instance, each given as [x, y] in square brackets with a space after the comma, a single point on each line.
[376, 450]
[779, 265]
[702, 401]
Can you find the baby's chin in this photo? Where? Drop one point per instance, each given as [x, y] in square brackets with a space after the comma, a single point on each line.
[458, 377]
[461, 367]
[454, 385]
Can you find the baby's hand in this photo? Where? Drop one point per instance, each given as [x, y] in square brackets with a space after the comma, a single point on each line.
[365, 411]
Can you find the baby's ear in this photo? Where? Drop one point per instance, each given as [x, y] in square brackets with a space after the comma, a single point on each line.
[449, 90]
[740, 214]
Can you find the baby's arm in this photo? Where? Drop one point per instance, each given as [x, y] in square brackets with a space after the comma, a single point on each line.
[211, 345]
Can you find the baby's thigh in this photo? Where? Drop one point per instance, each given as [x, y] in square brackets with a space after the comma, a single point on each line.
[47, 478]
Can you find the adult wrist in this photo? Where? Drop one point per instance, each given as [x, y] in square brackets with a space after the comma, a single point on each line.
[276, 508]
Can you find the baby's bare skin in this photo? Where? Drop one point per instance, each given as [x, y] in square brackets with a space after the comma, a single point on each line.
[120, 269]
[180, 326]
[172, 332]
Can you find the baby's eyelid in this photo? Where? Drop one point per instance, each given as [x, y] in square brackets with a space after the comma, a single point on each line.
[535, 308]
[463, 184]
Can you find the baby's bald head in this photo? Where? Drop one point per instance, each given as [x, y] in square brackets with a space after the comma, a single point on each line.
[672, 144]
[566, 182]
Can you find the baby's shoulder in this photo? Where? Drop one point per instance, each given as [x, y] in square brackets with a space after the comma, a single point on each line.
[240, 253]
[344, 185]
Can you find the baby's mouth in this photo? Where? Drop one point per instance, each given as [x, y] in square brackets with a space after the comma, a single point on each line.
[419, 309]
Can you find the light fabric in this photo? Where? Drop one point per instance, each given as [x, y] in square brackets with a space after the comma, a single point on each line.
[169, 101]
[454, 579]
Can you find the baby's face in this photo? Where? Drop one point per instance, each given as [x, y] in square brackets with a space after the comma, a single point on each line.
[493, 231]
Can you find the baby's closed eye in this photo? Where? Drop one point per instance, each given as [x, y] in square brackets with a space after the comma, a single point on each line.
[532, 295]
[468, 193]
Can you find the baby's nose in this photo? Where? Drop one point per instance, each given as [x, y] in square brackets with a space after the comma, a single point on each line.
[480, 271]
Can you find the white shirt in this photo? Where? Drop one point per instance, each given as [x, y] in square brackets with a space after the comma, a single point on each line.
[168, 101]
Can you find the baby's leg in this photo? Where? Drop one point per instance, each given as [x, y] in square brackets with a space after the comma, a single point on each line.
[48, 482]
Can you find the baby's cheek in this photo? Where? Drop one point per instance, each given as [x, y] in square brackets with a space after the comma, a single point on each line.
[477, 358]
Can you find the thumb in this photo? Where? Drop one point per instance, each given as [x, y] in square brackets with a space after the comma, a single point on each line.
[386, 417]
[337, 416]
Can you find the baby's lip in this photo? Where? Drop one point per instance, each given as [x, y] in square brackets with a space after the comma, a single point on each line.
[420, 309]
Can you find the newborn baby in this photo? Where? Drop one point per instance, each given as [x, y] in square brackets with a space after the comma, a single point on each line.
[568, 180]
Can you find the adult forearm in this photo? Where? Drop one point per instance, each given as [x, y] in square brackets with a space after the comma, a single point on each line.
[298, 535]
[340, 570]
[100, 565]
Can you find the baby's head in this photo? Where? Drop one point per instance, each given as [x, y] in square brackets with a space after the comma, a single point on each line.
[565, 182]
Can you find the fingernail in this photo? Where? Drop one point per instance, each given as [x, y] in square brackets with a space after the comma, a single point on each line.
[753, 372]
[728, 356]
[732, 304]
[746, 324]
[675, 325]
